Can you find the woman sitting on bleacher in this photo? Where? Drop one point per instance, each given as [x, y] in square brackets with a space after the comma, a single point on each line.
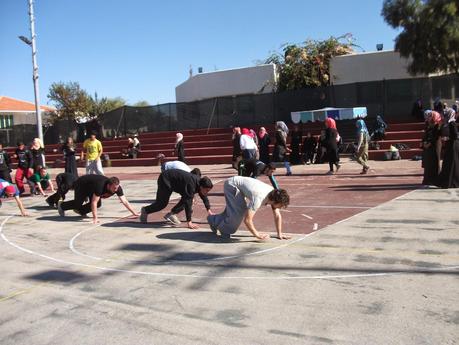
[379, 129]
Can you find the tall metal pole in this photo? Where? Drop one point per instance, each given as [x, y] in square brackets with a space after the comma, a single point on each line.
[35, 72]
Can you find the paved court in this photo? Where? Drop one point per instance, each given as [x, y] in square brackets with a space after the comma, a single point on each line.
[373, 260]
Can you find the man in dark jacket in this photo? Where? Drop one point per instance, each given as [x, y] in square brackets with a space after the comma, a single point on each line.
[93, 188]
[5, 165]
[185, 184]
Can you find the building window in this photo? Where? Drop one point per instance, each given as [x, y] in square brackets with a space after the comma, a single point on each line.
[6, 121]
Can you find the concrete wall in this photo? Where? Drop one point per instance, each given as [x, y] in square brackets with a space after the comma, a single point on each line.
[240, 81]
[374, 66]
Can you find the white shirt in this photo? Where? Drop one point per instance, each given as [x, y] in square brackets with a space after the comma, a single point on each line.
[255, 191]
[246, 142]
[176, 165]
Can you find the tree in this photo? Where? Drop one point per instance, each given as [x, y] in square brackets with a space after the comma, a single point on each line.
[430, 33]
[103, 105]
[74, 104]
[308, 65]
[141, 104]
[71, 102]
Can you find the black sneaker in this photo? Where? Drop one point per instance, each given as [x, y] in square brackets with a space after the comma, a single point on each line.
[143, 215]
[59, 208]
[50, 203]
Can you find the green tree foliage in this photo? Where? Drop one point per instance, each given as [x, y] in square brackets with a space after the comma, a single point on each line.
[308, 65]
[70, 100]
[430, 33]
[141, 104]
[103, 105]
[73, 103]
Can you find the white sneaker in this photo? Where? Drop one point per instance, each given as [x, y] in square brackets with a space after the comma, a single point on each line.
[172, 218]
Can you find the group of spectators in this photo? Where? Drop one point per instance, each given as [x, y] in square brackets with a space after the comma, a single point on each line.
[440, 144]
[251, 149]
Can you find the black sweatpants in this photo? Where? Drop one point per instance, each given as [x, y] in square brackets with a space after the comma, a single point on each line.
[78, 203]
[64, 184]
[163, 195]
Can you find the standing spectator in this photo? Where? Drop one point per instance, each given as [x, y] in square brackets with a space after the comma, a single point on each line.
[41, 181]
[449, 175]
[69, 149]
[296, 137]
[248, 146]
[280, 147]
[309, 148]
[263, 143]
[331, 144]
[23, 170]
[37, 149]
[5, 165]
[362, 145]
[430, 142]
[9, 190]
[321, 148]
[237, 153]
[179, 149]
[418, 110]
[93, 149]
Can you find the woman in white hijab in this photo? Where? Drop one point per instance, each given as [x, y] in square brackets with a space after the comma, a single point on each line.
[179, 150]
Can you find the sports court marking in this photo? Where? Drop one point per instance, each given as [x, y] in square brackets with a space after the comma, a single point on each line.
[200, 276]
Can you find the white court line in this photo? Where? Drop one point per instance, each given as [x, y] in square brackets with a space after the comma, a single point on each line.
[203, 275]
[258, 252]
[305, 215]
[343, 276]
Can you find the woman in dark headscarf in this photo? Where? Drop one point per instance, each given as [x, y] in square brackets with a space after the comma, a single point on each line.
[379, 129]
[280, 148]
[295, 142]
[263, 144]
[430, 142]
[362, 145]
[331, 143]
[449, 176]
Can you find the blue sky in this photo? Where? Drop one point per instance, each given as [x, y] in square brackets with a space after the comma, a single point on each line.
[142, 49]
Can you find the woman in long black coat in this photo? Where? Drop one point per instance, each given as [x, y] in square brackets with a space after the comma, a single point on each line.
[263, 145]
[295, 142]
[331, 143]
[179, 149]
[68, 149]
[430, 143]
[449, 175]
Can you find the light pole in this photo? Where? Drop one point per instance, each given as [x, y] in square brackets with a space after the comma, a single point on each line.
[31, 42]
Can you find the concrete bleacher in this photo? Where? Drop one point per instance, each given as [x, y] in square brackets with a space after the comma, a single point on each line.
[215, 146]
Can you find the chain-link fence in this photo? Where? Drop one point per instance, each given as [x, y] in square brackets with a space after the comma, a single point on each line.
[392, 99]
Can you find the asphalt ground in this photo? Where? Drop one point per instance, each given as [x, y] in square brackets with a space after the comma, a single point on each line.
[373, 259]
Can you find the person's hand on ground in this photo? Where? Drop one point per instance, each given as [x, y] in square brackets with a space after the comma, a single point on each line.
[263, 237]
[192, 226]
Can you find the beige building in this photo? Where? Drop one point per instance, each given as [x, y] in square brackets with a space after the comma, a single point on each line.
[232, 82]
[372, 66]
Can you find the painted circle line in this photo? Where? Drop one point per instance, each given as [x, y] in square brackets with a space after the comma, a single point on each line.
[201, 276]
